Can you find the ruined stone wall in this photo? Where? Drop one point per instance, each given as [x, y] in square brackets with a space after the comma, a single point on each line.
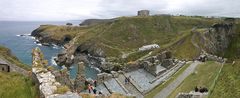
[163, 59]
[45, 80]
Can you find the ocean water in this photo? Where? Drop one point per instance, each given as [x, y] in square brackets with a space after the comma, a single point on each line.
[22, 46]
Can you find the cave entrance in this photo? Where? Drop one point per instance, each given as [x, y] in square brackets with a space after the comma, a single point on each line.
[67, 38]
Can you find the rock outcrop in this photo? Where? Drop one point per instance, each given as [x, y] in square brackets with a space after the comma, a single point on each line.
[53, 34]
[217, 38]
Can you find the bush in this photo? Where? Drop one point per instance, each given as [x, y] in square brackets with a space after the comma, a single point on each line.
[62, 89]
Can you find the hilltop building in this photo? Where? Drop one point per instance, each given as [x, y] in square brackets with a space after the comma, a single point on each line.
[143, 13]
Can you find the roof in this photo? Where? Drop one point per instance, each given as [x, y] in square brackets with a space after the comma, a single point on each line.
[3, 62]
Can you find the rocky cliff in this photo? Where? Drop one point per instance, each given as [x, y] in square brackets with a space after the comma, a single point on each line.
[105, 43]
[53, 34]
[216, 39]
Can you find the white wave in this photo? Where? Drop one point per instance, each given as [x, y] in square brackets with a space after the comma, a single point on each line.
[53, 62]
[28, 36]
[39, 44]
[55, 46]
[97, 69]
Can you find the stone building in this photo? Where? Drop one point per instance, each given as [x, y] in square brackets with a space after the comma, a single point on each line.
[4, 66]
[143, 13]
[79, 82]
[148, 47]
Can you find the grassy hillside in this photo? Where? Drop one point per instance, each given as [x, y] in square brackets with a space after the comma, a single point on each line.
[14, 85]
[125, 35]
[204, 76]
[5, 53]
[228, 83]
[133, 32]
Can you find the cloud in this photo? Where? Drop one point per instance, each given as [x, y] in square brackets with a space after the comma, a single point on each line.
[83, 9]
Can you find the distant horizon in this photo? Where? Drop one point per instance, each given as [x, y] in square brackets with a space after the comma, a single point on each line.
[107, 18]
[64, 10]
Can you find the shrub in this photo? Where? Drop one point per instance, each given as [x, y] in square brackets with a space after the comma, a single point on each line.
[62, 89]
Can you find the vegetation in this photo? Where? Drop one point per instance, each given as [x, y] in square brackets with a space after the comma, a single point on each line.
[62, 89]
[157, 89]
[185, 49]
[203, 77]
[228, 83]
[233, 51]
[14, 85]
[5, 53]
[127, 34]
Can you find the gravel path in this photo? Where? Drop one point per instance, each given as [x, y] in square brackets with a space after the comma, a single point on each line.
[172, 86]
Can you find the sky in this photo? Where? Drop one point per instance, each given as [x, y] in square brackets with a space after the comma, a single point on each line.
[55, 10]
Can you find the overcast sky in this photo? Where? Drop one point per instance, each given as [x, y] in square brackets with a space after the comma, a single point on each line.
[83, 9]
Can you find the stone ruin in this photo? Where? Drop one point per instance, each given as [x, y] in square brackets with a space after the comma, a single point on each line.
[206, 56]
[143, 13]
[79, 83]
[158, 64]
[49, 84]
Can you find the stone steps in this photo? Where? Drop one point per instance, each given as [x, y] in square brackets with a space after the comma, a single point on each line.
[103, 89]
[130, 87]
[113, 86]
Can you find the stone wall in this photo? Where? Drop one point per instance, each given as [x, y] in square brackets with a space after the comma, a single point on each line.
[151, 64]
[46, 81]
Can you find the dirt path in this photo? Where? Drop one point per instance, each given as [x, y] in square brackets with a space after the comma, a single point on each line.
[172, 86]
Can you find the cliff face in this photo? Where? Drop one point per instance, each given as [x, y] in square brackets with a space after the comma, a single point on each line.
[216, 39]
[220, 35]
[52, 34]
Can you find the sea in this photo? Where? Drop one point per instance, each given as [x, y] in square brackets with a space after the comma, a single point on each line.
[21, 46]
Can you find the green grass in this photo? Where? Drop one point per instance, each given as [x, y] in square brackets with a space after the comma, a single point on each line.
[233, 51]
[228, 83]
[185, 49]
[5, 53]
[157, 89]
[204, 76]
[14, 85]
[62, 90]
[127, 34]
[136, 55]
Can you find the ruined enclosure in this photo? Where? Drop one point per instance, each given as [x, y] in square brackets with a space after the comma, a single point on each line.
[4, 68]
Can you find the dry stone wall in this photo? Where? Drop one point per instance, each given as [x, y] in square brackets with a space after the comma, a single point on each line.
[46, 80]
